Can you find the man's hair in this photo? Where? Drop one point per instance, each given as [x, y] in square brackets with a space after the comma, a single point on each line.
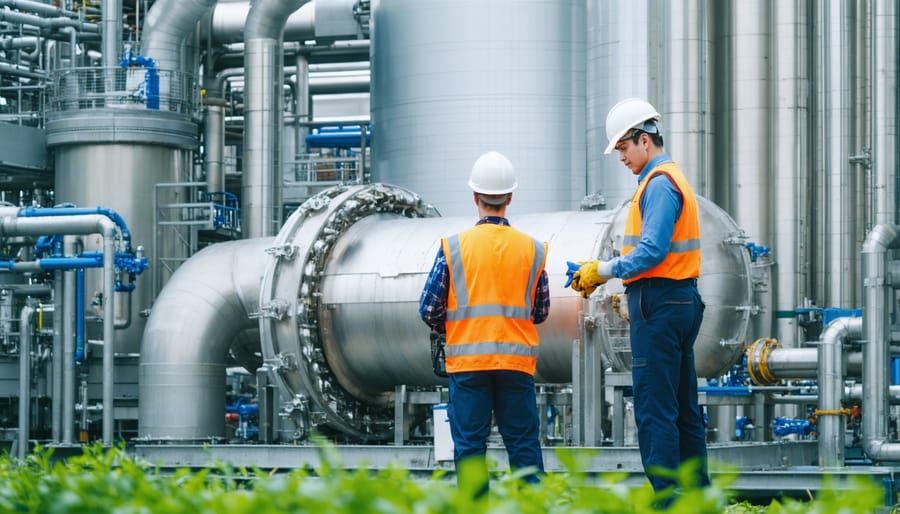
[654, 134]
[493, 202]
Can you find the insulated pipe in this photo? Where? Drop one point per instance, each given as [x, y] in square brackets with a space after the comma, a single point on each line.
[168, 24]
[774, 364]
[59, 292]
[18, 18]
[884, 27]
[68, 371]
[338, 323]
[214, 144]
[112, 32]
[228, 19]
[878, 307]
[204, 306]
[25, 329]
[261, 190]
[790, 118]
[831, 386]
[840, 258]
[70, 225]
[37, 8]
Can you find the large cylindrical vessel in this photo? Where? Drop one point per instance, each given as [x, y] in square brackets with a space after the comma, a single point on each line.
[452, 80]
[724, 284]
[339, 299]
[129, 174]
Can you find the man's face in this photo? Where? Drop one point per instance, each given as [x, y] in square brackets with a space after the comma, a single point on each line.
[634, 155]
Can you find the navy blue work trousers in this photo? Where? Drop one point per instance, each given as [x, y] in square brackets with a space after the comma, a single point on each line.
[665, 321]
[510, 396]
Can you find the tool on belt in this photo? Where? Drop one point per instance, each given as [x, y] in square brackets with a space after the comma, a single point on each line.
[438, 358]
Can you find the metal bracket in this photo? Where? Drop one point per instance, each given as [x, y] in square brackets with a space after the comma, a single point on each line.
[286, 252]
[276, 309]
[282, 362]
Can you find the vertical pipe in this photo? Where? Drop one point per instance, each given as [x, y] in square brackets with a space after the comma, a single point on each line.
[747, 112]
[214, 143]
[261, 189]
[840, 187]
[618, 54]
[830, 424]
[884, 27]
[301, 105]
[80, 349]
[685, 100]
[68, 371]
[56, 394]
[790, 138]
[112, 32]
[24, 379]
[109, 331]
[878, 308]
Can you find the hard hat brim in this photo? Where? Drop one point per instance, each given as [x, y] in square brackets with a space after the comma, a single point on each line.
[614, 141]
[482, 190]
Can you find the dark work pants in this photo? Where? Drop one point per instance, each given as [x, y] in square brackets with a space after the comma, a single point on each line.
[664, 323]
[510, 396]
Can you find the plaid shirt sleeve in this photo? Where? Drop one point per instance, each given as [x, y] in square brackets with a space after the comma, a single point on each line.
[541, 308]
[433, 302]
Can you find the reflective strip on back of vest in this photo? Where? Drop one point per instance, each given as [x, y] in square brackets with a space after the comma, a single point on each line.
[490, 327]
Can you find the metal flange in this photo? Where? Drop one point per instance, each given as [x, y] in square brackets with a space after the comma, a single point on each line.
[290, 295]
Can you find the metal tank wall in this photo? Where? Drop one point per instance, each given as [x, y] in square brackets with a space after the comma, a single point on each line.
[782, 113]
[123, 177]
[619, 56]
[451, 80]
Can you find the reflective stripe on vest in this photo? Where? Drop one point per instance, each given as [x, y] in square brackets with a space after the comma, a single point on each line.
[683, 259]
[489, 321]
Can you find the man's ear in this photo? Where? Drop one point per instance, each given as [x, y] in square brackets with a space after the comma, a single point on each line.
[475, 198]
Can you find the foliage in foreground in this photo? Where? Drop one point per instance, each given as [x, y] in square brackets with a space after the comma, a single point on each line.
[110, 481]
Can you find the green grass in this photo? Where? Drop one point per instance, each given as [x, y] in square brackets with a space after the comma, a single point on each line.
[110, 481]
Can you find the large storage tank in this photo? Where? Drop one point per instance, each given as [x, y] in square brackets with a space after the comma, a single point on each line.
[112, 150]
[451, 80]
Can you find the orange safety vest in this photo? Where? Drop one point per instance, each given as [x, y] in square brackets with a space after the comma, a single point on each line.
[683, 259]
[494, 271]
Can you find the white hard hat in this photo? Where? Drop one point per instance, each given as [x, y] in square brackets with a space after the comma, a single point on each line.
[492, 174]
[626, 115]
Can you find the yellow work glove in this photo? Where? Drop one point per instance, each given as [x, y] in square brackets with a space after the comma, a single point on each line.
[590, 275]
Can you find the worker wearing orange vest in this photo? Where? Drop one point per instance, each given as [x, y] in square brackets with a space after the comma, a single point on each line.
[659, 265]
[487, 290]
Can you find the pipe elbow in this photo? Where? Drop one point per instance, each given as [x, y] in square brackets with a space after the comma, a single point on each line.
[881, 238]
[842, 328]
[267, 18]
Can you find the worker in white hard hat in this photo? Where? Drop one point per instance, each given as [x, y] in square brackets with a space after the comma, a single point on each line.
[486, 291]
[659, 265]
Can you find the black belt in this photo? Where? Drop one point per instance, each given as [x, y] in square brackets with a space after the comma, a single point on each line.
[663, 282]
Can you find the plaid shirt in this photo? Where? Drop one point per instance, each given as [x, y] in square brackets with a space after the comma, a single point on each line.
[433, 302]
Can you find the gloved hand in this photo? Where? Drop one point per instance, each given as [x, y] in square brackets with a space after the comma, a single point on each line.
[573, 267]
[589, 275]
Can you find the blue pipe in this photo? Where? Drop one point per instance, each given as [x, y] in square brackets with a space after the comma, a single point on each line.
[79, 316]
[725, 390]
[32, 212]
[151, 78]
[69, 263]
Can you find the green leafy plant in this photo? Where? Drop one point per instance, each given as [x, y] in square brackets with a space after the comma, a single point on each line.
[109, 480]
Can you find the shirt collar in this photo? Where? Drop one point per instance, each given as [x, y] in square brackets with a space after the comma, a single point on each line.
[654, 162]
[494, 220]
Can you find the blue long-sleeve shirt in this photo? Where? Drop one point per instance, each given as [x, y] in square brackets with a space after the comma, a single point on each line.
[661, 206]
[433, 302]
